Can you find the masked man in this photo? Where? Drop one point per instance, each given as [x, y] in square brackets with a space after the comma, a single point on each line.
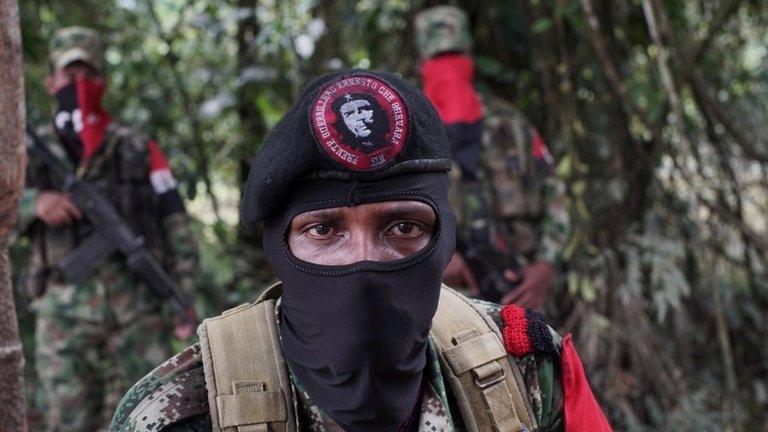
[95, 338]
[513, 224]
[360, 335]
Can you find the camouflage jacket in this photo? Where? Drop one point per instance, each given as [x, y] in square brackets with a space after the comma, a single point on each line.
[517, 181]
[144, 195]
[173, 397]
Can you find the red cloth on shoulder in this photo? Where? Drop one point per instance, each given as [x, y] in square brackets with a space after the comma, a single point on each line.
[582, 413]
[157, 160]
[448, 85]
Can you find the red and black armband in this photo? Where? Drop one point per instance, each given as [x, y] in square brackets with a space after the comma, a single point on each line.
[525, 331]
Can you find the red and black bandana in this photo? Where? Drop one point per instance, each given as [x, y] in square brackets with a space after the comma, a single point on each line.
[80, 120]
[361, 122]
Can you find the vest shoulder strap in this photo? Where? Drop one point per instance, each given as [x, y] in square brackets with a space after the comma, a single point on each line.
[488, 387]
[249, 389]
[245, 372]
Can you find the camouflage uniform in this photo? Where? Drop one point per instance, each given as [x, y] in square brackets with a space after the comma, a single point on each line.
[528, 216]
[173, 397]
[95, 338]
[515, 198]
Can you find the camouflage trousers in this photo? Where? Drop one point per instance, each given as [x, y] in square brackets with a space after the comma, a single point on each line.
[93, 341]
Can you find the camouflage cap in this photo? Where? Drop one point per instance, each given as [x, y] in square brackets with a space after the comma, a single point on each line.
[71, 44]
[442, 29]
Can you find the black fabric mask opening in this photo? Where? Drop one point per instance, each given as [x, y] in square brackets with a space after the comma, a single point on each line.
[371, 265]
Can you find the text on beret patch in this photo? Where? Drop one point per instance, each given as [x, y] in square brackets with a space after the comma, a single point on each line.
[360, 122]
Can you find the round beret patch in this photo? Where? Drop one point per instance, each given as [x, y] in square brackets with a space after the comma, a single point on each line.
[361, 122]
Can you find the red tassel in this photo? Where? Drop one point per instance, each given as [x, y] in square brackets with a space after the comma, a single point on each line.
[582, 413]
[157, 160]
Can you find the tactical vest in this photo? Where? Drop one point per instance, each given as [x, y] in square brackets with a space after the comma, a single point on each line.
[515, 183]
[120, 170]
[249, 389]
[507, 199]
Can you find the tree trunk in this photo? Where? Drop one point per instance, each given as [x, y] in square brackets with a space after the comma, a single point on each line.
[12, 162]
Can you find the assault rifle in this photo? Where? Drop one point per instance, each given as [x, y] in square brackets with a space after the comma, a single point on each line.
[110, 233]
[487, 265]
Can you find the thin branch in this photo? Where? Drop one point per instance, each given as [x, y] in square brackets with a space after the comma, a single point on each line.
[690, 75]
[701, 47]
[713, 110]
[601, 49]
[726, 352]
[666, 75]
[188, 106]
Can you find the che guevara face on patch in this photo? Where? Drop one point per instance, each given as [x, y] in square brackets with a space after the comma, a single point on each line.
[360, 122]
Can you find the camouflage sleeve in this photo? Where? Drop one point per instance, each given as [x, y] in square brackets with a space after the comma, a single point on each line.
[176, 223]
[535, 346]
[555, 222]
[26, 209]
[183, 250]
[170, 398]
[35, 180]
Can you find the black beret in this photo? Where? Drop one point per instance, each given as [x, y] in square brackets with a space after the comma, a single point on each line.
[353, 124]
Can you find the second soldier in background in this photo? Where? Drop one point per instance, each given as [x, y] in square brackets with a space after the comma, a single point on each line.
[512, 220]
[93, 339]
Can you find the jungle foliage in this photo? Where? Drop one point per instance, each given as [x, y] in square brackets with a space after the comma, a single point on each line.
[655, 111]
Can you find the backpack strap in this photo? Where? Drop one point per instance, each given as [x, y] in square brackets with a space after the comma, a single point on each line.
[488, 387]
[245, 373]
[272, 292]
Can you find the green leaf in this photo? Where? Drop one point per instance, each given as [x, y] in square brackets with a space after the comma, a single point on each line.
[489, 66]
[573, 282]
[541, 25]
[587, 290]
[579, 187]
[565, 167]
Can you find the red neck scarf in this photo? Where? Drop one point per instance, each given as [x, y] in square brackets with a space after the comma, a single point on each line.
[95, 119]
[448, 85]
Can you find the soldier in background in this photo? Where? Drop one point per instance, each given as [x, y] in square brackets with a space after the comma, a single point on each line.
[510, 205]
[93, 339]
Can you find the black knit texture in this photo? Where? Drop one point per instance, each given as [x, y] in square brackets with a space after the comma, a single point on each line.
[538, 333]
[291, 152]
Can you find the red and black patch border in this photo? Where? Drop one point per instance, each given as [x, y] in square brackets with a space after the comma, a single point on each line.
[391, 154]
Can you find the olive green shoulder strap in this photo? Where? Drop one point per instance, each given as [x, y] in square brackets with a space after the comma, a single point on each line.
[488, 387]
[245, 373]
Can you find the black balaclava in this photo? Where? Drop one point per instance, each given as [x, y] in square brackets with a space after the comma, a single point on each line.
[355, 336]
[68, 120]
